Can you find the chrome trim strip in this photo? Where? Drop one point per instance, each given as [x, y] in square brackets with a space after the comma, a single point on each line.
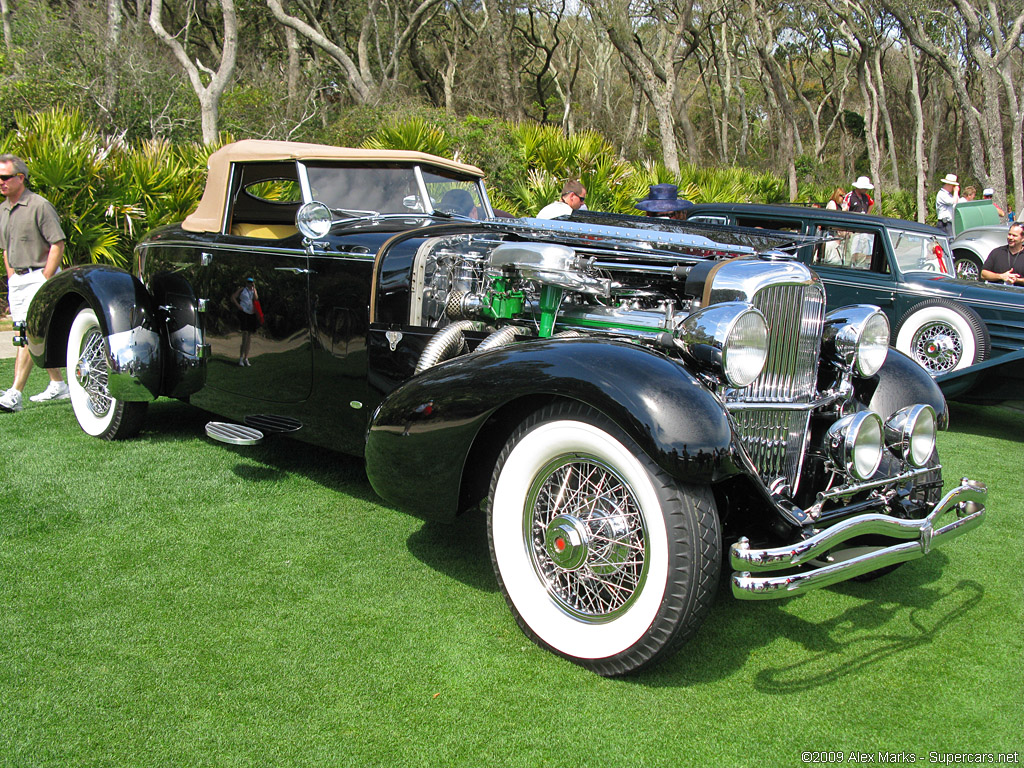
[623, 234]
[822, 402]
[297, 253]
[967, 501]
[920, 292]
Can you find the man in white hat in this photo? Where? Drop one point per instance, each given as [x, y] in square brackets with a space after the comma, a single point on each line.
[945, 202]
[858, 200]
[987, 194]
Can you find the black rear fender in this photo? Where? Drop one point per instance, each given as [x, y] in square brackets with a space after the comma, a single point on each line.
[432, 442]
[127, 317]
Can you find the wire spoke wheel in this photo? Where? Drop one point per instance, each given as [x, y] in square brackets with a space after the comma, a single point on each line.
[942, 335]
[602, 557]
[589, 538]
[91, 373]
[968, 269]
[98, 412]
[938, 347]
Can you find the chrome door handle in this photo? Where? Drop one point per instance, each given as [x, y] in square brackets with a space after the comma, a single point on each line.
[294, 270]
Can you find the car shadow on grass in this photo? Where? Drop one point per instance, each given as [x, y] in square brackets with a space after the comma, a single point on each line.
[866, 635]
[891, 616]
[986, 421]
[458, 551]
[277, 456]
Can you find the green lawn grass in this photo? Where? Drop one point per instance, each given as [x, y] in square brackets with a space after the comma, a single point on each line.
[174, 601]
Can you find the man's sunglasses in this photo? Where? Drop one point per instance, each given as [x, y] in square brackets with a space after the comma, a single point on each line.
[8, 176]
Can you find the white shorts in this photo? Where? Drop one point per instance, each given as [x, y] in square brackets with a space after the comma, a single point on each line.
[20, 290]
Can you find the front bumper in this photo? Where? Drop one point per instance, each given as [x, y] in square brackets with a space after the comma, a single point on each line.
[967, 501]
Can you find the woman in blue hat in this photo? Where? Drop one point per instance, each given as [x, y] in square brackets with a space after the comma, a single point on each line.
[663, 201]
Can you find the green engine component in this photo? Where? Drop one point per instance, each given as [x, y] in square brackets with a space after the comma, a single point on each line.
[550, 299]
[503, 302]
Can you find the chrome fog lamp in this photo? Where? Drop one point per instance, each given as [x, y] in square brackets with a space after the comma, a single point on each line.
[855, 443]
[314, 220]
[857, 338]
[731, 338]
[910, 433]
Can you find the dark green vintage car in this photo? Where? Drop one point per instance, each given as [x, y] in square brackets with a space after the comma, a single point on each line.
[949, 325]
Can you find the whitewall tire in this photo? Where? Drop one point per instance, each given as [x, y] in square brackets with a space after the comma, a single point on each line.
[99, 414]
[943, 336]
[602, 557]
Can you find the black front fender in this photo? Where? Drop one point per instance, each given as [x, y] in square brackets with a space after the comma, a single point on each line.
[902, 382]
[421, 437]
[127, 317]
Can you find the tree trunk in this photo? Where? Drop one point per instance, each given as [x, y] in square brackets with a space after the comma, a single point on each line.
[870, 96]
[111, 60]
[362, 90]
[653, 67]
[883, 108]
[940, 112]
[919, 162]
[291, 40]
[667, 131]
[208, 95]
[949, 61]
[5, 14]
[1016, 138]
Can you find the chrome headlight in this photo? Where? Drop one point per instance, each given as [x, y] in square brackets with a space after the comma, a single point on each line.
[857, 338]
[314, 220]
[855, 443]
[910, 434]
[731, 338]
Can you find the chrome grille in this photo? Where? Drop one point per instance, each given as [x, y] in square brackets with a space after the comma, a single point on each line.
[775, 437]
[796, 316]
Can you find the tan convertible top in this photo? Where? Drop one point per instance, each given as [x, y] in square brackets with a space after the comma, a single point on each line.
[209, 216]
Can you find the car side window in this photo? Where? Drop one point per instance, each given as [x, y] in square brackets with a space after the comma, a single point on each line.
[850, 249]
[707, 218]
[264, 200]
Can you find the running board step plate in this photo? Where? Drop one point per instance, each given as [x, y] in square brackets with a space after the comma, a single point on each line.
[235, 434]
[268, 423]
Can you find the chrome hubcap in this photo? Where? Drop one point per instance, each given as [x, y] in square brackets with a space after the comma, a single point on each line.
[566, 542]
[587, 538]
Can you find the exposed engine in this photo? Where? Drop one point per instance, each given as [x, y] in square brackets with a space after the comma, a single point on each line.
[752, 327]
[520, 289]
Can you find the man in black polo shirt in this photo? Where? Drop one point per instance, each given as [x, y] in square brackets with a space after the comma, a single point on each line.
[33, 244]
[1005, 264]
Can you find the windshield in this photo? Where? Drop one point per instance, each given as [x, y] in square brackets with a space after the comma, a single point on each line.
[392, 189]
[921, 252]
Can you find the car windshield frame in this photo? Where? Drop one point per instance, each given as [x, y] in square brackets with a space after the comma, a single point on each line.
[906, 260]
[387, 189]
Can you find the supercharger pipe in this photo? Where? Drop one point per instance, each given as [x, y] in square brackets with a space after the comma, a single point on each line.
[550, 300]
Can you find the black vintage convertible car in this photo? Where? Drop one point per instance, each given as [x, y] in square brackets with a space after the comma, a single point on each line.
[622, 402]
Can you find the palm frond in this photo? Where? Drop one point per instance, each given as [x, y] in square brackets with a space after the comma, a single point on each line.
[413, 134]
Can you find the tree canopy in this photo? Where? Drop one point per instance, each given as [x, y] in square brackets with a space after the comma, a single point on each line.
[818, 93]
